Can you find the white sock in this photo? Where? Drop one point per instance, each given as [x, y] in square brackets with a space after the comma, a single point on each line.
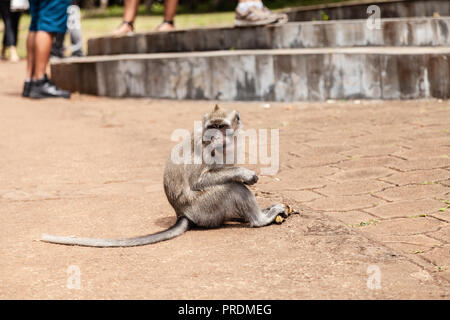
[243, 6]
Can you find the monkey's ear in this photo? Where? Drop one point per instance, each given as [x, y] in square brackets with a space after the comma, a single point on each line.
[216, 108]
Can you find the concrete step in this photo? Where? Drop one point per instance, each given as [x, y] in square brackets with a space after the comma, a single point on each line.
[346, 33]
[358, 9]
[270, 75]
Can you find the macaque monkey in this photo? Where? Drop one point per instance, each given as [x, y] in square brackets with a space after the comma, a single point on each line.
[202, 193]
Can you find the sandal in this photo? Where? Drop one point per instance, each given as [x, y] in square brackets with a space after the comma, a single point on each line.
[126, 28]
[166, 25]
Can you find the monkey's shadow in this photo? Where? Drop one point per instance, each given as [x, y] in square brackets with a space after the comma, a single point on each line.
[167, 222]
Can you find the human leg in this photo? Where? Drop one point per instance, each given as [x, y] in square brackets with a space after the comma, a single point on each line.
[48, 17]
[15, 18]
[170, 9]
[8, 36]
[129, 15]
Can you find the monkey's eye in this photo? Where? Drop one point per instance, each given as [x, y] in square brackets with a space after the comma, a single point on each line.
[238, 118]
[218, 126]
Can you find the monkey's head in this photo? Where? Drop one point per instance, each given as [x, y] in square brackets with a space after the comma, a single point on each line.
[220, 127]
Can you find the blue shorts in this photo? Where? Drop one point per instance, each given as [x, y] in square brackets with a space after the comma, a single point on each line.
[49, 15]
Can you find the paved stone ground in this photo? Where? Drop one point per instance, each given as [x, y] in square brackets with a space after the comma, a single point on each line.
[371, 179]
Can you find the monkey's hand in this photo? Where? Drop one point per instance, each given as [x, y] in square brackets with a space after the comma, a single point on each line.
[247, 176]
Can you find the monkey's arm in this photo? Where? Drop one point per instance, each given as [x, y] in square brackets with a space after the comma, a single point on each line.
[213, 177]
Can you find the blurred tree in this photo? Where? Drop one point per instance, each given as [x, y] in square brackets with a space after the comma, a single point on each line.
[104, 4]
[148, 5]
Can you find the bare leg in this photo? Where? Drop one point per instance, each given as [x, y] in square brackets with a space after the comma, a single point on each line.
[31, 40]
[170, 9]
[43, 45]
[250, 1]
[130, 10]
[129, 15]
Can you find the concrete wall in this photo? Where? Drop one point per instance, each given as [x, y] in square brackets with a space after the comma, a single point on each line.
[273, 75]
[358, 9]
[393, 32]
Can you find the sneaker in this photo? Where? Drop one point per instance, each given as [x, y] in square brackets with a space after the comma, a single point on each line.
[281, 17]
[26, 89]
[255, 16]
[44, 88]
[77, 54]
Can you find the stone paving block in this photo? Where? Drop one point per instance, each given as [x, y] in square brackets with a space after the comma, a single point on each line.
[412, 244]
[437, 143]
[411, 165]
[406, 208]
[312, 173]
[368, 150]
[360, 174]
[353, 187]
[442, 234]
[352, 218]
[418, 177]
[413, 192]
[304, 183]
[326, 149]
[344, 203]
[428, 133]
[440, 257]
[363, 162]
[300, 195]
[404, 226]
[425, 152]
[445, 215]
[316, 160]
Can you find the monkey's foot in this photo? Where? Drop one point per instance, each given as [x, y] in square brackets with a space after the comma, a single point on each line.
[290, 210]
[279, 219]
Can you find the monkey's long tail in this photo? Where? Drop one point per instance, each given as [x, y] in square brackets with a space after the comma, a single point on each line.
[181, 226]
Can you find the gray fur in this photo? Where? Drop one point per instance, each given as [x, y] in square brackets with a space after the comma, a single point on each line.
[201, 194]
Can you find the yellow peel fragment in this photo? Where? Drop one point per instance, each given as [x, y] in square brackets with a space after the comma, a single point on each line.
[279, 220]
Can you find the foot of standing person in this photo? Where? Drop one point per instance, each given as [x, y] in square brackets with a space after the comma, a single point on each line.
[26, 88]
[166, 26]
[77, 54]
[254, 13]
[44, 88]
[13, 56]
[125, 29]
